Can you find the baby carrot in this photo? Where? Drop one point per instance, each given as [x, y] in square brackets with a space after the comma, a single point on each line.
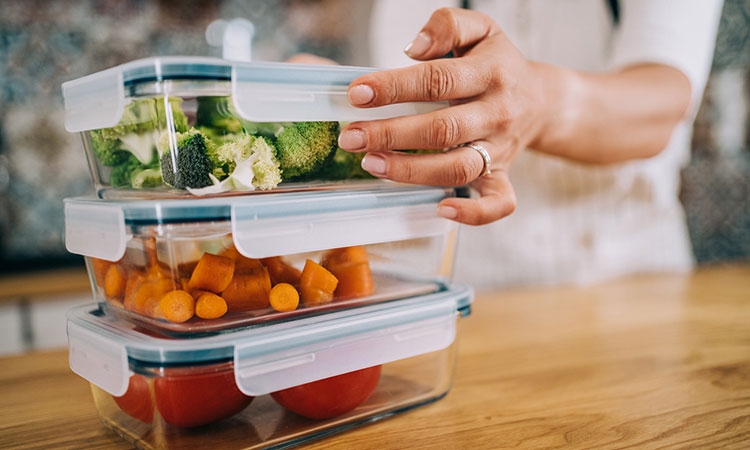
[316, 284]
[280, 270]
[284, 297]
[114, 282]
[248, 290]
[212, 273]
[210, 306]
[177, 306]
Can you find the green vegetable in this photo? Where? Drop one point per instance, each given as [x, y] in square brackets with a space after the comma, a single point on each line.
[255, 150]
[215, 114]
[344, 166]
[137, 131]
[146, 178]
[305, 146]
[188, 165]
[107, 151]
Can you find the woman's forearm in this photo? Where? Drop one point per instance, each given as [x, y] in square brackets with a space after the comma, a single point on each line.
[610, 117]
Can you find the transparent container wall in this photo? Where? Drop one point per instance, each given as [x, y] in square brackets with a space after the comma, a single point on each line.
[189, 278]
[201, 407]
[182, 138]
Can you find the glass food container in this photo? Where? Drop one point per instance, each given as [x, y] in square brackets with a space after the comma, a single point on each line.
[205, 265]
[181, 126]
[273, 386]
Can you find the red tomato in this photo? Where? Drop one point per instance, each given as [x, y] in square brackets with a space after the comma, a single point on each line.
[193, 399]
[137, 400]
[330, 397]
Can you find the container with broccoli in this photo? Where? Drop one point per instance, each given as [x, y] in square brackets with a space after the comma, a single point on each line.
[203, 147]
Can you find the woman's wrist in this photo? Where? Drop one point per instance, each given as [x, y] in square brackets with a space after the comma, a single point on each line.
[562, 95]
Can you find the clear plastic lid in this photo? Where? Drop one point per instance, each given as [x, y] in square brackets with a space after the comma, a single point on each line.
[261, 91]
[273, 357]
[272, 225]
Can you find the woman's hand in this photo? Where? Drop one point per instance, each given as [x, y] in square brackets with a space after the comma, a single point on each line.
[504, 103]
[495, 97]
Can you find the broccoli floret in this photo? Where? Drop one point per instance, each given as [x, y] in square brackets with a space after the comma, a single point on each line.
[266, 129]
[178, 117]
[107, 151]
[146, 178]
[121, 173]
[137, 131]
[216, 113]
[344, 166]
[255, 149]
[191, 157]
[305, 146]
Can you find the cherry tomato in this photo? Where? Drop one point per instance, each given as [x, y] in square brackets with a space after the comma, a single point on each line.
[330, 397]
[190, 399]
[137, 400]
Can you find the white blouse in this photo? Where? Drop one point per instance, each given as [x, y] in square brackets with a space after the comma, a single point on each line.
[578, 223]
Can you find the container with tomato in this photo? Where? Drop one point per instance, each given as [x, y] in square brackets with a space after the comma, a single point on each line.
[192, 266]
[258, 387]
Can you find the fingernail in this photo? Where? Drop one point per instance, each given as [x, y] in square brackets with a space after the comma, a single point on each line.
[374, 163]
[352, 139]
[361, 94]
[447, 212]
[419, 45]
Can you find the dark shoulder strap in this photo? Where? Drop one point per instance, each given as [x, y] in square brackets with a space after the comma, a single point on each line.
[613, 5]
[614, 10]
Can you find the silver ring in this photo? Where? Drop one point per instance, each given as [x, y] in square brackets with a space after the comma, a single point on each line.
[485, 156]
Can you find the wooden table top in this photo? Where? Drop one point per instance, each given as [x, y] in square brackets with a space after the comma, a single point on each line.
[649, 361]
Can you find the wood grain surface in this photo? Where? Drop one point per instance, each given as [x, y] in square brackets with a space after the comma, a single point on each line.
[46, 283]
[659, 361]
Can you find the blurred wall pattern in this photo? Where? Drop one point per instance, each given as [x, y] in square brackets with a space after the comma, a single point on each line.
[716, 183]
[44, 43]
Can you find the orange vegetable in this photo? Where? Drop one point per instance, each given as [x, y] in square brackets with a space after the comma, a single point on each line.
[143, 291]
[213, 273]
[210, 306]
[100, 268]
[241, 263]
[114, 282]
[144, 299]
[284, 297]
[281, 271]
[352, 268]
[248, 290]
[177, 306]
[317, 284]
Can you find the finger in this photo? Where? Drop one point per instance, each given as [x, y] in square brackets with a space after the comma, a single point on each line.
[439, 129]
[450, 29]
[454, 168]
[445, 79]
[497, 200]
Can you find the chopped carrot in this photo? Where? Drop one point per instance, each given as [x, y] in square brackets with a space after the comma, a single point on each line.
[210, 306]
[177, 306]
[352, 268]
[100, 268]
[281, 271]
[317, 284]
[212, 273]
[114, 282]
[248, 290]
[241, 263]
[284, 297]
[144, 290]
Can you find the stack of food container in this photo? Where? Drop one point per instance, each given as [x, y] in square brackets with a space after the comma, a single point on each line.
[254, 286]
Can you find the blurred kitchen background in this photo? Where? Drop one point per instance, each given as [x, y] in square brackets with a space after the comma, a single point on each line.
[44, 43]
